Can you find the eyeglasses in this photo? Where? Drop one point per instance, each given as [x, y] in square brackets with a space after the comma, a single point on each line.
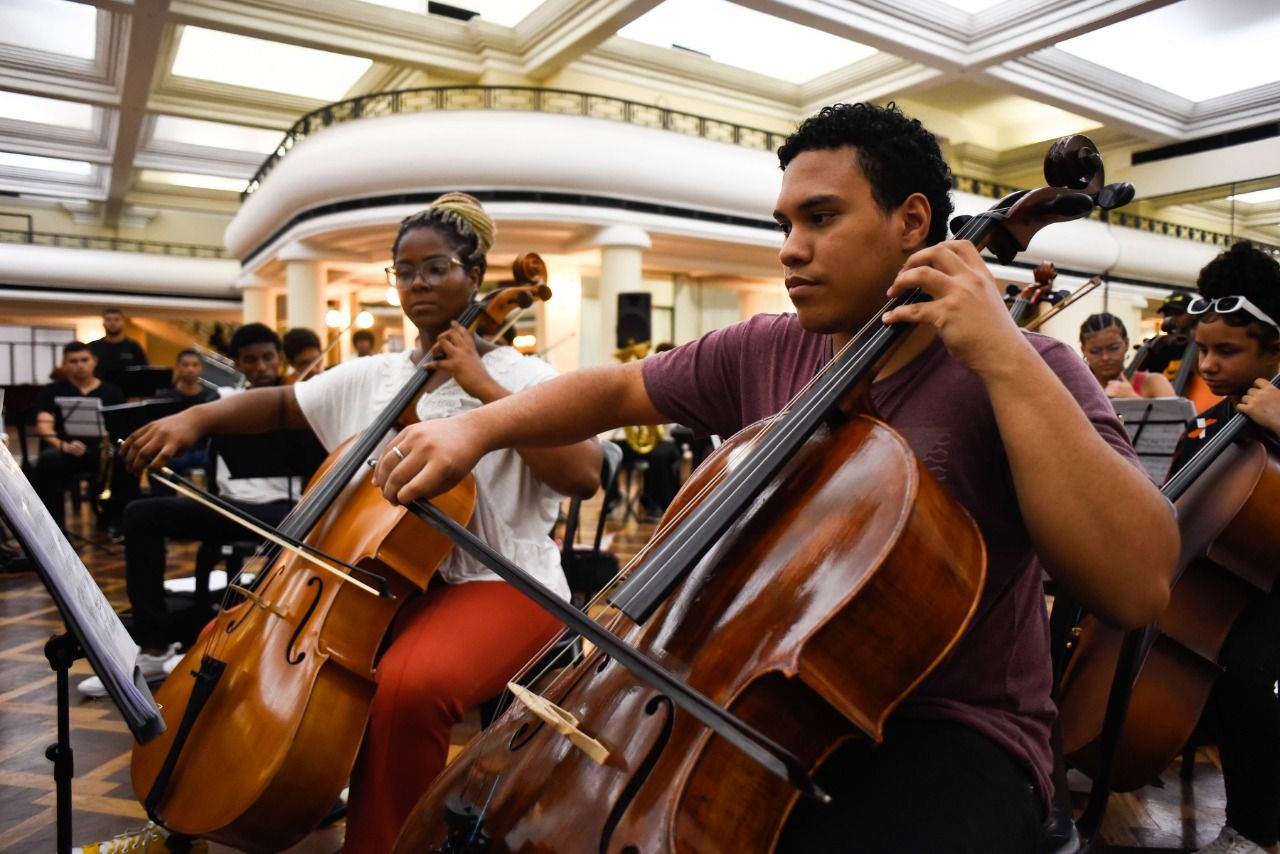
[1109, 350]
[433, 271]
[1228, 305]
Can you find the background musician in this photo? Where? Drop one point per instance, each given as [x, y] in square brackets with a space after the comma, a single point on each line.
[186, 381]
[116, 351]
[362, 344]
[148, 522]
[1239, 344]
[965, 762]
[458, 644]
[1177, 328]
[302, 351]
[1104, 342]
[64, 459]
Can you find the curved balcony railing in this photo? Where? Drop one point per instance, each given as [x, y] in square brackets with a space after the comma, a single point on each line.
[572, 103]
[113, 244]
[526, 99]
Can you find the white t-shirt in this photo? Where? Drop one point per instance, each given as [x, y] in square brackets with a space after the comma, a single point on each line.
[515, 511]
[254, 490]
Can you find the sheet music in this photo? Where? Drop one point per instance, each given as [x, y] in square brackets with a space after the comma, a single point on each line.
[85, 609]
[81, 417]
[1154, 426]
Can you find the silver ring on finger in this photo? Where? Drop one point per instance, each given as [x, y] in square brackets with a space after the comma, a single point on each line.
[399, 453]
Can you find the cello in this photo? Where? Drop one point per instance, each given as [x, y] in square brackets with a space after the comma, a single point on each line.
[1226, 497]
[1040, 291]
[814, 532]
[266, 712]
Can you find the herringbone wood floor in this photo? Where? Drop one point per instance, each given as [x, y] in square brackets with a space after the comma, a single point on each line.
[1177, 816]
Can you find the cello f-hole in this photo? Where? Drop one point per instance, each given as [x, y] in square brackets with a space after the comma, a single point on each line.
[659, 702]
[521, 736]
[290, 656]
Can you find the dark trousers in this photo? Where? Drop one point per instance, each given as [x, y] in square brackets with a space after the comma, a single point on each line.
[55, 471]
[1245, 716]
[932, 787]
[147, 523]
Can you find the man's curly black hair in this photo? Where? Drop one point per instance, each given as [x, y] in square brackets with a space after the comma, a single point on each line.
[252, 333]
[1244, 270]
[896, 154]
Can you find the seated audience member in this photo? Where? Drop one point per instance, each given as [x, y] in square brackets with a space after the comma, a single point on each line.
[302, 351]
[362, 342]
[115, 351]
[65, 458]
[149, 521]
[1104, 343]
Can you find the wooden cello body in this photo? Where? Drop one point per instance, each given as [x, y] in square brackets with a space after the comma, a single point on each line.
[1229, 516]
[832, 598]
[273, 747]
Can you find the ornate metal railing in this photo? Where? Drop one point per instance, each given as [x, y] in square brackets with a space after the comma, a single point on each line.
[526, 99]
[114, 244]
[571, 103]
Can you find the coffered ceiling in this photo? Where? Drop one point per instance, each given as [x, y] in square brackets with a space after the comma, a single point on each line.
[115, 109]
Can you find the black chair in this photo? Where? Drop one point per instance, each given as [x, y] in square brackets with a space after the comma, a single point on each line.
[587, 571]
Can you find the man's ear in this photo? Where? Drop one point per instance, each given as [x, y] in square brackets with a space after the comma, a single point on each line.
[915, 215]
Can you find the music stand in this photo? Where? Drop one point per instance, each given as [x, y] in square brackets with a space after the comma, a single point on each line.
[141, 380]
[124, 418]
[1154, 426]
[278, 453]
[220, 374]
[93, 631]
[81, 417]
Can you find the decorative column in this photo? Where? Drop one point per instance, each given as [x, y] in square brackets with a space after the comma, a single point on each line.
[305, 279]
[685, 299]
[560, 320]
[257, 301]
[621, 270]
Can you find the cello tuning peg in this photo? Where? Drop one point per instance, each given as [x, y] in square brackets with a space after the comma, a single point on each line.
[959, 222]
[1072, 204]
[1115, 195]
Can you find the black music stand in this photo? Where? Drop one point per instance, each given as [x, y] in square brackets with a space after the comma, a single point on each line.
[141, 380]
[93, 632]
[1154, 426]
[278, 453]
[124, 418]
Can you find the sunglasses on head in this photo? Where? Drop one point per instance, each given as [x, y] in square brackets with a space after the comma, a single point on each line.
[1229, 305]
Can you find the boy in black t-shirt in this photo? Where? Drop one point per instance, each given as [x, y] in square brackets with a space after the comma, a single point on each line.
[65, 457]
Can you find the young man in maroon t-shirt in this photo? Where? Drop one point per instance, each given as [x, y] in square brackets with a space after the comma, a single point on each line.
[1010, 423]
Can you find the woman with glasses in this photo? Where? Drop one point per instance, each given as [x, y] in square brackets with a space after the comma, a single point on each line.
[459, 643]
[1239, 344]
[1104, 343]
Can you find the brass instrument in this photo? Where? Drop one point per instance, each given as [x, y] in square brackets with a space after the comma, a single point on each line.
[106, 468]
[642, 438]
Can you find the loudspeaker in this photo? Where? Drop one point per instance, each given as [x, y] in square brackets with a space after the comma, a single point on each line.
[633, 318]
